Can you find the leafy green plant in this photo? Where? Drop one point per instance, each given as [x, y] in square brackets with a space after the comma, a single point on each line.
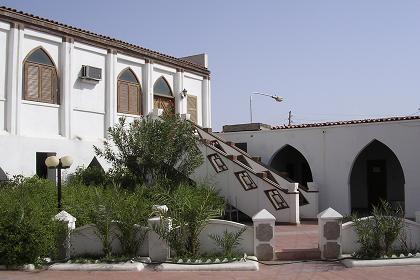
[190, 209]
[228, 242]
[27, 230]
[90, 176]
[102, 215]
[377, 233]
[150, 150]
[131, 218]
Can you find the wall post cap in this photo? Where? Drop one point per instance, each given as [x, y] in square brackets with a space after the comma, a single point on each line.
[329, 213]
[263, 216]
[64, 216]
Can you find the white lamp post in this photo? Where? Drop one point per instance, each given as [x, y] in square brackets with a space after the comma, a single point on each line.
[54, 162]
[275, 97]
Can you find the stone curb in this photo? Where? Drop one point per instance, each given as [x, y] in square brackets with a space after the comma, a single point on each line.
[136, 266]
[249, 265]
[382, 262]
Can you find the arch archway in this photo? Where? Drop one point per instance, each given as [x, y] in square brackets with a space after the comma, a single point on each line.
[163, 97]
[290, 163]
[376, 175]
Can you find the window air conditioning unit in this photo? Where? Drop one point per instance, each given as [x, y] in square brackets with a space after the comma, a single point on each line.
[91, 73]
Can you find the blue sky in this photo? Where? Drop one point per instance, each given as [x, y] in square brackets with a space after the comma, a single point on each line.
[330, 60]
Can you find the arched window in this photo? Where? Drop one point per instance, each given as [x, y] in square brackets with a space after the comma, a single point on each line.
[163, 97]
[129, 93]
[40, 78]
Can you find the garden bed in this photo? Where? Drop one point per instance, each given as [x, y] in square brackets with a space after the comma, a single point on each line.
[393, 261]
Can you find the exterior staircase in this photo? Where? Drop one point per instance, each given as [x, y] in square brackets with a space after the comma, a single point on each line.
[244, 181]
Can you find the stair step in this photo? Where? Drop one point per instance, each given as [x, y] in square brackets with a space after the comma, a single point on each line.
[298, 254]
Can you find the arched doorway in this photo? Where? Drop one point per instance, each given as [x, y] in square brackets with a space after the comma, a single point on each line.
[376, 175]
[290, 163]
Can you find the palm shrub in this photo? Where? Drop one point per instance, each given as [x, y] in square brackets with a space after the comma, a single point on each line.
[190, 208]
[131, 217]
[229, 241]
[377, 233]
[151, 150]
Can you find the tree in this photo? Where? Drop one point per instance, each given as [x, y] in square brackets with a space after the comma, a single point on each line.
[153, 150]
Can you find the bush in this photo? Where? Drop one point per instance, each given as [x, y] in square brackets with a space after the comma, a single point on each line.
[90, 176]
[377, 233]
[27, 230]
[150, 150]
[190, 208]
[228, 242]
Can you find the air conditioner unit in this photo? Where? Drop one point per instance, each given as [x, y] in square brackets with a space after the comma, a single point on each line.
[91, 73]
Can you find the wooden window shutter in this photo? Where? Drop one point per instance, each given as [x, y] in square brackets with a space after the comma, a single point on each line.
[31, 82]
[122, 97]
[47, 89]
[192, 107]
[133, 99]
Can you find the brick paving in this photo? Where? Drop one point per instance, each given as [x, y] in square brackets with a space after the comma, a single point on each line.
[303, 271]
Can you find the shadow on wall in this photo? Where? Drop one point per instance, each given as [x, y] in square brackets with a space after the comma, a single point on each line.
[3, 175]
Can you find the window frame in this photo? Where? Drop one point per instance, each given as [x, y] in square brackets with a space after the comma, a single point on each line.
[55, 84]
[139, 94]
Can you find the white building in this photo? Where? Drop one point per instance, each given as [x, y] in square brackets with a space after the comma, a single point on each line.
[354, 164]
[62, 87]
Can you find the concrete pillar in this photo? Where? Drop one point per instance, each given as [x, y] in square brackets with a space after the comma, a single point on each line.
[147, 87]
[14, 78]
[205, 108]
[178, 88]
[65, 87]
[158, 248]
[110, 90]
[264, 223]
[293, 195]
[329, 224]
[64, 240]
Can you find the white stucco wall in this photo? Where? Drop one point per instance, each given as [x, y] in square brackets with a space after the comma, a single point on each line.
[331, 152]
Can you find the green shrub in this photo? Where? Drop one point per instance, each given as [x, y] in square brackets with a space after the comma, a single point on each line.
[377, 233]
[27, 229]
[90, 176]
[190, 208]
[150, 150]
[228, 242]
[132, 214]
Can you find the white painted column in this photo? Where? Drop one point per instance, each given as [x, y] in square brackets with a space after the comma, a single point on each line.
[178, 87]
[110, 90]
[293, 194]
[148, 88]
[65, 88]
[205, 103]
[329, 229]
[209, 122]
[14, 78]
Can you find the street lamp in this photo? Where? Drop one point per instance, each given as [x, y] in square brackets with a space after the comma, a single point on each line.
[275, 97]
[54, 162]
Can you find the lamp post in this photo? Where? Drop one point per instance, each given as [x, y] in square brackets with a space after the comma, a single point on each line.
[275, 97]
[53, 162]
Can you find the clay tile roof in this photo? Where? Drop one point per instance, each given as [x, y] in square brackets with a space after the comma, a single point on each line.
[13, 14]
[350, 122]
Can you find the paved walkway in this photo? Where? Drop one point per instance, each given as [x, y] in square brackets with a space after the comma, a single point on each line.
[297, 242]
[299, 271]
